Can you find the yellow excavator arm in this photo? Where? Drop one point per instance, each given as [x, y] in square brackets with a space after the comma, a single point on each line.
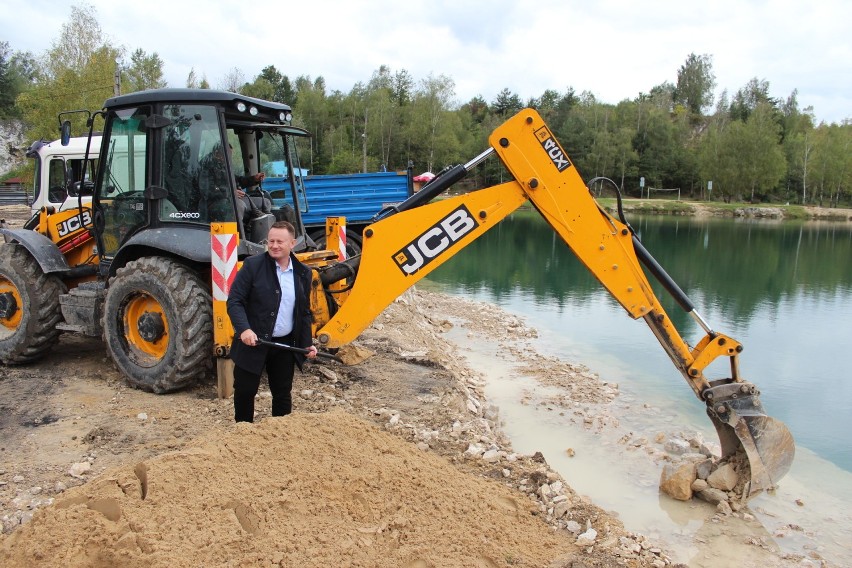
[419, 235]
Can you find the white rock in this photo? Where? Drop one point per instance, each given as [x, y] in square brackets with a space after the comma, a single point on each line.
[306, 393]
[394, 420]
[573, 526]
[142, 416]
[677, 446]
[724, 478]
[474, 450]
[328, 374]
[78, 469]
[587, 538]
[491, 456]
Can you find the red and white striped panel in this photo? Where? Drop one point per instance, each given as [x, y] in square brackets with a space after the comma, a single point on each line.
[341, 238]
[224, 259]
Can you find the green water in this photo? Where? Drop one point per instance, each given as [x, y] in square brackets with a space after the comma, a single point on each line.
[783, 289]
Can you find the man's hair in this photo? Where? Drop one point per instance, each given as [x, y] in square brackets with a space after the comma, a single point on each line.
[286, 226]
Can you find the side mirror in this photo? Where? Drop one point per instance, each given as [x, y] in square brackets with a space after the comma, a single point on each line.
[65, 132]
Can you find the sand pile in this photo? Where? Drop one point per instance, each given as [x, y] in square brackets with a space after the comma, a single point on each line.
[305, 490]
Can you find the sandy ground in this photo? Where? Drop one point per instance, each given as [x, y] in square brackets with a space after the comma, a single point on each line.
[397, 461]
[374, 468]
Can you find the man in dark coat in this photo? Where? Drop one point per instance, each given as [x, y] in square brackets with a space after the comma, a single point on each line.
[269, 300]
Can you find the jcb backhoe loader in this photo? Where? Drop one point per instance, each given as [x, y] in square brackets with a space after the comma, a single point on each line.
[166, 233]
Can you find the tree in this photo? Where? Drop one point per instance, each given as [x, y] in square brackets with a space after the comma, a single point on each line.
[427, 132]
[233, 81]
[282, 89]
[506, 104]
[832, 162]
[311, 110]
[798, 142]
[695, 83]
[748, 97]
[761, 161]
[192, 81]
[402, 87]
[144, 72]
[76, 72]
[260, 88]
[7, 86]
[717, 155]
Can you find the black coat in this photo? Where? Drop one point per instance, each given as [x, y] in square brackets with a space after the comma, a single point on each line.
[253, 304]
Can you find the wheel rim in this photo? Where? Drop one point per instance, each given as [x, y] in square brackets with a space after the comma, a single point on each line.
[146, 328]
[11, 305]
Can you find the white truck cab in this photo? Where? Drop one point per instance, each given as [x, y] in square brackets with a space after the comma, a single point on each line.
[58, 171]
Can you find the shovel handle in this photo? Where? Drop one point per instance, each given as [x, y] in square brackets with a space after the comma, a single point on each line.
[297, 349]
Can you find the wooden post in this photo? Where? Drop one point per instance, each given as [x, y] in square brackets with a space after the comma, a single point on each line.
[225, 377]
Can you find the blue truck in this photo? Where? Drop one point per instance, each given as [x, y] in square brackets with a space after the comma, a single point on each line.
[358, 197]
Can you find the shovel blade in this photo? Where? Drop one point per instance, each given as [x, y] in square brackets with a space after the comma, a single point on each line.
[744, 427]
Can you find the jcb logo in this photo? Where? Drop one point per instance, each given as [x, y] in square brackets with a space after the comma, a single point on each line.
[68, 226]
[551, 146]
[425, 248]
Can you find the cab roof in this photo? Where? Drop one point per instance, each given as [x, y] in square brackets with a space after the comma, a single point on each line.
[153, 96]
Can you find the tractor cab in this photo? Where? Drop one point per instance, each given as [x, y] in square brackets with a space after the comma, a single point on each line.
[170, 164]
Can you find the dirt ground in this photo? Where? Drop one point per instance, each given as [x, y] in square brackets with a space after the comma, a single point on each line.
[374, 468]
[396, 461]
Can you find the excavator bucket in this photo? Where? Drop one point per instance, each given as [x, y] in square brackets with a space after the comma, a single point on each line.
[744, 428]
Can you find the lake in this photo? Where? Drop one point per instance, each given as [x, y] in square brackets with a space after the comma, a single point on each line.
[783, 289]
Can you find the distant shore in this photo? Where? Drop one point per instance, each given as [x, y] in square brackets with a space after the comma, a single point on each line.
[719, 209]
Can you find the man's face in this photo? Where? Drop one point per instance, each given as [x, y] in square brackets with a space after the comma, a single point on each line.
[279, 243]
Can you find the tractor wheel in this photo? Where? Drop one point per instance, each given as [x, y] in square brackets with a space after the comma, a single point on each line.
[29, 307]
[158, 324]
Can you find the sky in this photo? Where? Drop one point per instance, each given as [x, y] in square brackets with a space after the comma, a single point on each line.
[614, 49]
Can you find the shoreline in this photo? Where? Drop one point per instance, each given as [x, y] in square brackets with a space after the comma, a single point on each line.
[776, 212]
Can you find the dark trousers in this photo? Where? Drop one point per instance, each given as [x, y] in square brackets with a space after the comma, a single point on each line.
[280, 365]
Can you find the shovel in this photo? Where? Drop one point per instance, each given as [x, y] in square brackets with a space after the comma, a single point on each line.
[298, 349]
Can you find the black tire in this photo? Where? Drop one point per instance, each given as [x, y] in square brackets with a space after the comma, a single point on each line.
[158, 324]
[29, 306]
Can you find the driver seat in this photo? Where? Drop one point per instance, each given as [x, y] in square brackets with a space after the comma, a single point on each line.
[258, 227]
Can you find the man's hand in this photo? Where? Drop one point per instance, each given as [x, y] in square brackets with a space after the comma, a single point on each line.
[259, 176]
[312, 352]
[240, 193]
[249, 338]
